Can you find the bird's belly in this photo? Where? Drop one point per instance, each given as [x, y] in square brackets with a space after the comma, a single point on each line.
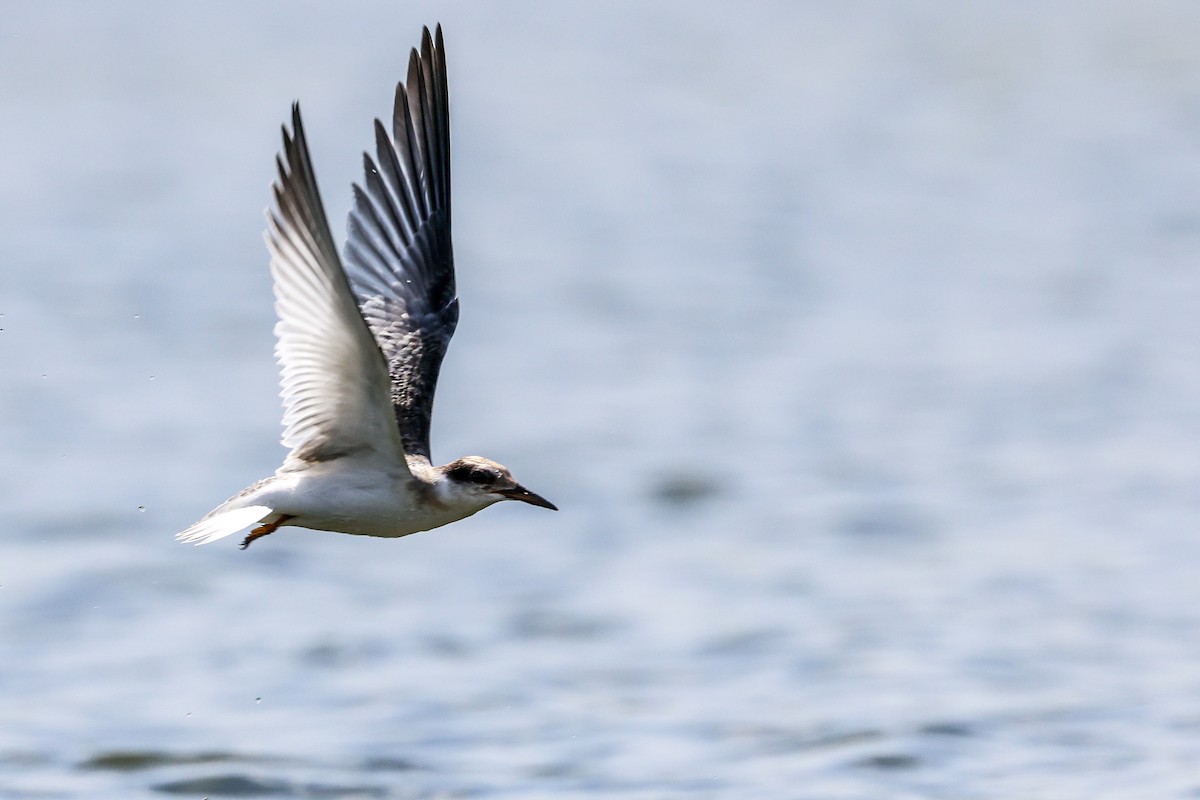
[369, 507]
[385, 522]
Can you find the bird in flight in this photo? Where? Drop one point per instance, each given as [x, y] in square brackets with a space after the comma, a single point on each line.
[360, 342]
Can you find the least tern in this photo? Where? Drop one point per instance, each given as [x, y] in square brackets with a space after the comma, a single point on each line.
[360, 345]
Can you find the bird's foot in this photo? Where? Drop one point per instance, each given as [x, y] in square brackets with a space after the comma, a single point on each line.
[264, 529]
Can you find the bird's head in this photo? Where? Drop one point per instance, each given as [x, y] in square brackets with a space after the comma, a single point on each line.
[484, 481]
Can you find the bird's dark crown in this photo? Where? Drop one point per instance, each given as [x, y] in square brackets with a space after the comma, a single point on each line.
[476, 470]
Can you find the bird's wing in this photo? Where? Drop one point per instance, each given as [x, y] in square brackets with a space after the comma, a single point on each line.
[334, 378]
[398, 253]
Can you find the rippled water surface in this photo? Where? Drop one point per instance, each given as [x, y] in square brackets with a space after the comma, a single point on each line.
[858, 343]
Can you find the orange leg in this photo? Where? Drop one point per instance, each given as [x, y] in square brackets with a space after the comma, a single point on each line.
[264, 529]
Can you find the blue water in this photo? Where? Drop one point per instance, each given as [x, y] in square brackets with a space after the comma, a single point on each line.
[859, 344]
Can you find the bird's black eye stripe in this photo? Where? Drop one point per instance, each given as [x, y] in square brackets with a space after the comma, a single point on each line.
[471, 474]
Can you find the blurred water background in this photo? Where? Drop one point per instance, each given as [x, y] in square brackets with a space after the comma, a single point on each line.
[858, 342]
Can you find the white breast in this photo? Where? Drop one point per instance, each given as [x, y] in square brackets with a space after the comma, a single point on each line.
[364, 502]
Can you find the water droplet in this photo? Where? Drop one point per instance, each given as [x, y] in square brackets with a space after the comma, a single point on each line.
[257, 700]
[141, 508]
[137, 316]
[151, 377]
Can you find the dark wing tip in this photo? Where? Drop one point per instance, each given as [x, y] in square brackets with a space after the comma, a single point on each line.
[414, 71]
[297, 132]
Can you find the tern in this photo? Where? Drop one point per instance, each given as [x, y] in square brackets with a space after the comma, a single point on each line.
[360, 343]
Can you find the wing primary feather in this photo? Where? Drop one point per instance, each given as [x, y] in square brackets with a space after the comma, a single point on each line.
[429, 125]
[443, 124]
[362, 249]
[378, 210]
[399, 254]
[390, 180]
[414, 128]
[334, 378]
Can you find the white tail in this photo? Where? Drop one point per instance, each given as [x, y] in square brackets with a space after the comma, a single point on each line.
[224, 523]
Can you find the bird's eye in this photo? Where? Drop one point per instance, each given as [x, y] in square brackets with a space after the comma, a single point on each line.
[480, 476]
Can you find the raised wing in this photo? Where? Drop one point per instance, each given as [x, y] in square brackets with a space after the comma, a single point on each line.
[398, 252]
[334, 383]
